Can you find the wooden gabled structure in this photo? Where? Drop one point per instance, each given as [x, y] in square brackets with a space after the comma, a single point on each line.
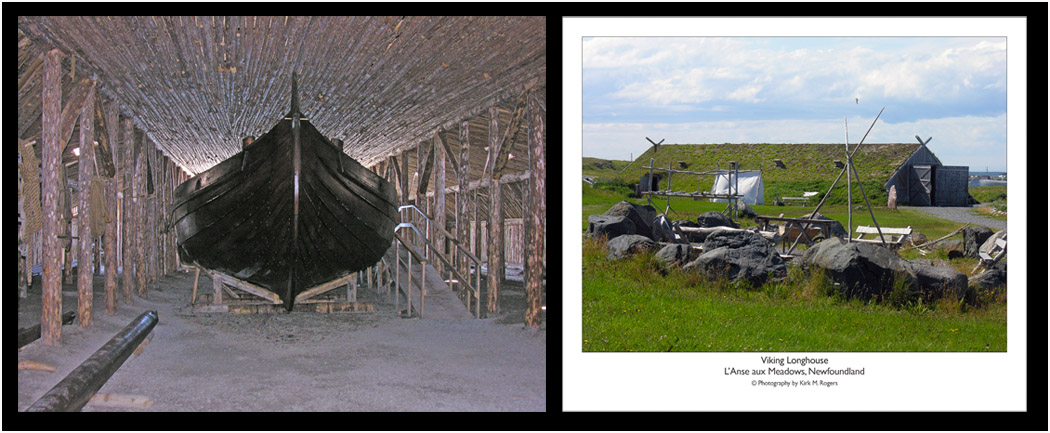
[159, 99]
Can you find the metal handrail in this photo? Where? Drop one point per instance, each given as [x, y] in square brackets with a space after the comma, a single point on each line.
[397, 278]
[473, 289]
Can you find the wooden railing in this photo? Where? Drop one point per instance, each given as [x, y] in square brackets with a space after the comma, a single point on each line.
[473, 289]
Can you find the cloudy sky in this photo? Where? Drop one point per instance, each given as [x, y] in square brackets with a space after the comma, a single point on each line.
[796, 90]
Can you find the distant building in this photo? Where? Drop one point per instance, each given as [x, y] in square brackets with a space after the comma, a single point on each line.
[923, 181]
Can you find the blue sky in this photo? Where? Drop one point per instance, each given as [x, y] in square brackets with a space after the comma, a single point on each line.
[796, 90]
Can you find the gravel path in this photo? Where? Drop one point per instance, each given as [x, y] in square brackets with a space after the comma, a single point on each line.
[963, 214]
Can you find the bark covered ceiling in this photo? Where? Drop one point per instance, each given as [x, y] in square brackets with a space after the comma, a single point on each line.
[198, 85]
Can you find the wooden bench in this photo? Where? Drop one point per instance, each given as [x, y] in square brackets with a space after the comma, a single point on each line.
[991, 258]
[894, 237]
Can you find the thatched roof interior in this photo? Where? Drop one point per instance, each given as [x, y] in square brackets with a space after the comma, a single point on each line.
[198, 85]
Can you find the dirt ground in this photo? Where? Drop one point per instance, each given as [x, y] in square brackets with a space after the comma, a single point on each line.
[300, 361]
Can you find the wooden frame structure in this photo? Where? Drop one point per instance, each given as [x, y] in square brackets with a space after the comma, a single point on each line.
[730, 210]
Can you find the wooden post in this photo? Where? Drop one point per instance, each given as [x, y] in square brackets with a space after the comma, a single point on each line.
[439, 200]
[67, 225]
[495, 262]
[51, 161]
[463, 196]
[536, 211]
[139, 197]
[86, 172]
[125, 192]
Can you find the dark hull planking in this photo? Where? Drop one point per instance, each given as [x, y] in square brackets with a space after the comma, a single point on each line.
[245, 218]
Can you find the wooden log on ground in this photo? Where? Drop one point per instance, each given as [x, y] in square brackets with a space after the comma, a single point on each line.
[122, 401]
[34, 365]
[536, 211]
[51, 161]
[85, 289]
[32, 333]
[74, 391]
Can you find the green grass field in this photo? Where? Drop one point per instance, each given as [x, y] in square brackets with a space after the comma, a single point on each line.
[640, 305]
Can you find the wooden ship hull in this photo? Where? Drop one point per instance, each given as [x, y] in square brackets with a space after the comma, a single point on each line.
[289, 212]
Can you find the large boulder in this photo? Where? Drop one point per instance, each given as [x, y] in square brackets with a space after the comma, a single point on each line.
[641, 215]
[675, 254]
[860, 270]
[609, 226]
[973, 238]
[836, 228]
[954, 248]
[624, 246]
[739, 255]
[715, 219]
[993, 279]
[938, 282]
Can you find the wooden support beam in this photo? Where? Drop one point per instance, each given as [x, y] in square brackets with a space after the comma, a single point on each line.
[139, 199]
[536, 211]
[425, 167]
[104, 140]
[448, 151]
[506, 142]
[51, 162]
[495, 259]
[439, 200]
[125, 192]
[403, 173]
[462, 197]
[72, 110]
[85, 289]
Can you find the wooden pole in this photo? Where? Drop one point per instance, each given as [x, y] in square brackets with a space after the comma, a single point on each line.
[462, 196]
[849, 186]
[439, 199]
[126, 193]
[51, 161]
[536, 212]
[86, 173]
[495, 266]
[139, 197]
[113, 185]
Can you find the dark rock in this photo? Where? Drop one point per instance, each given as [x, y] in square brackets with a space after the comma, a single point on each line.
[938, 282]
[954, 248]
[861, 270]
[609, 226]
[990, 280]
[641, 215]
[675, 254]
[715, 219]
[973, 237]
[622, 247]
[916, 238]
[739, 255]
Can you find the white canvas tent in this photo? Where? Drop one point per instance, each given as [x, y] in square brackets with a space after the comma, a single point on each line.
[750, 186]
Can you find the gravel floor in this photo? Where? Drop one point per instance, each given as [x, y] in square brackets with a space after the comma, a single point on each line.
[963, 214]
[300, 361]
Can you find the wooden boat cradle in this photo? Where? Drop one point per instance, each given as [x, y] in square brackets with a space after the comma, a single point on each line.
[231, 295]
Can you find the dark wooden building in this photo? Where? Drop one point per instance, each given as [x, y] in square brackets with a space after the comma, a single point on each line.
[923, 181]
